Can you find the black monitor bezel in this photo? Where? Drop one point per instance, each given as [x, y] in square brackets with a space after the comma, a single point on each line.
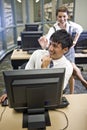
[27, 40]
[9, 76]
[31, 27]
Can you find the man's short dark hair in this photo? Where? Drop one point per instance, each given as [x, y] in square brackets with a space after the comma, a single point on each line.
[63, 37]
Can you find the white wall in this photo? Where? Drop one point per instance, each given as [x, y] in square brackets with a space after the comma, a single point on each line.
[81, 13]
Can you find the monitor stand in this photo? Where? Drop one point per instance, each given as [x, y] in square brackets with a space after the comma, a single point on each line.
[36, 119]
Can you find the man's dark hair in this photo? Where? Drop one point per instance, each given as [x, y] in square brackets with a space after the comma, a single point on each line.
[62, 9]
[62, 37]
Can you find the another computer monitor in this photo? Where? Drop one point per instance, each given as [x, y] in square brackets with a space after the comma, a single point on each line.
[34, 91]
[29, 40]
[81, 43]
[31, 27]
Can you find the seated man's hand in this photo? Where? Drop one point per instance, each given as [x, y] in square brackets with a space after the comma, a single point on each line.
[43, 42]
[45, 61]
[3, 97]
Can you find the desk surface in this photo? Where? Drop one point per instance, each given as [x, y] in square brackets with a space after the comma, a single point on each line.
[81, 58]
[80, 55]
[76, 113]
[18, 54]
[20, 57]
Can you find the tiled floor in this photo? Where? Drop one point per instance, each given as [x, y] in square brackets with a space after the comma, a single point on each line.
[6, 65]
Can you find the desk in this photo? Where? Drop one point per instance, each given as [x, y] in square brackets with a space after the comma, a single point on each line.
[81, 58]
[19, 57]
[76, 113]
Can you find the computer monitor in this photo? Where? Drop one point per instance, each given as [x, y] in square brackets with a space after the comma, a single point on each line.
[30, 40]
[31, 27]
[34, 92]
[81, 43]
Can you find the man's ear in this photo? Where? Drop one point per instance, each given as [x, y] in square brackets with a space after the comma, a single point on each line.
[65, 50]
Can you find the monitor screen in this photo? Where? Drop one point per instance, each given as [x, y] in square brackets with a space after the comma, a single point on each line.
[34, 92]
[31, 27]
[30, 40]
[26, 88]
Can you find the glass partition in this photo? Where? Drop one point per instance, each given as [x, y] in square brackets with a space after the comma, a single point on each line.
[9, 37]
[1, 41]
[14, 14]
[19, 12]
[8, 15]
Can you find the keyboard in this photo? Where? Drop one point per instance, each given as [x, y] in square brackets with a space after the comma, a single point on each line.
[64, 103]
[30, 51]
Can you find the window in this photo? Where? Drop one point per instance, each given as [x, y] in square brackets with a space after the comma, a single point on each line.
[19, 12]
[8, 15]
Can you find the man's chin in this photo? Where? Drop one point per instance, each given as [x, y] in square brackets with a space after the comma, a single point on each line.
[51, 56]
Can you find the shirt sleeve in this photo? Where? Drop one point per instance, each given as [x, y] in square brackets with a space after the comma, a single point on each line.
[76, 27]
[31, 62]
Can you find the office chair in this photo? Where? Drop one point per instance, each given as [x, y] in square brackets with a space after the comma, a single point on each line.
[23, 66]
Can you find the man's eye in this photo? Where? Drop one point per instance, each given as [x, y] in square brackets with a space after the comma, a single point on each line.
[54, 45]
[60, 17]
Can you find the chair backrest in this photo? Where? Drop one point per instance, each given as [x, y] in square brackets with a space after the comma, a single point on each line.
[23, 66]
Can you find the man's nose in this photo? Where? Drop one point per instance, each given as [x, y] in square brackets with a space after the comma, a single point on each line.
[62, 18]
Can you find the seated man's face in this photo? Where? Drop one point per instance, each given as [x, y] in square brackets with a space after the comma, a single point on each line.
[55, 50]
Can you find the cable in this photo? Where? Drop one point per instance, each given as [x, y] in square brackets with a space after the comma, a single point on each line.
[55, 110]
[66, 119]
[1, 115]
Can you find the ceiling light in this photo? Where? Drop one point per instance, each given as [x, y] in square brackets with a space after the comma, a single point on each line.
[37, 1]
[19, 1]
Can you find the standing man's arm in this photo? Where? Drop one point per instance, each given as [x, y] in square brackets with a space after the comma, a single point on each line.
[31, 63]
[71, 84]
[78, 29]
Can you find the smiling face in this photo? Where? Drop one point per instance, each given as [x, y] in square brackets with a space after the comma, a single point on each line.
[60, 43]
[62, 17]
[56, 51]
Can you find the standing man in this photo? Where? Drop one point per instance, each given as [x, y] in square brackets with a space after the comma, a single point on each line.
[62, 15]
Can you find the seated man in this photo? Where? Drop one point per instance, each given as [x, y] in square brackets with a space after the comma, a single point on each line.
[60, 43]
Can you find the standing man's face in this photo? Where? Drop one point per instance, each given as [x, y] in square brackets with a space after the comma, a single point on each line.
[62, 17]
